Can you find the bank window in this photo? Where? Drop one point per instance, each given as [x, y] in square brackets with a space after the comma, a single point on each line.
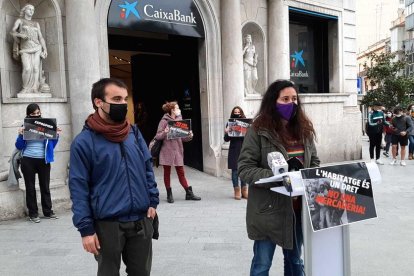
[309, 50]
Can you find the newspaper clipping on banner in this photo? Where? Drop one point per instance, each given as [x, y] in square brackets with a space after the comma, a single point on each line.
[238, 127]
[179, 129]
[338, 195]
[39, 128]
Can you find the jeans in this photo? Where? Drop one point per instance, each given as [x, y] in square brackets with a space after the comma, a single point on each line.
[411, 146]
[264, 250]
[387, 139]
[375, 142]
[235, 179]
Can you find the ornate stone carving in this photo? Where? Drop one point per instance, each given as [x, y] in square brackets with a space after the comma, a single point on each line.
[249, 66]
[30, 48]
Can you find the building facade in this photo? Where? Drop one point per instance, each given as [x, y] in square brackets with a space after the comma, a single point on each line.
[210, 55]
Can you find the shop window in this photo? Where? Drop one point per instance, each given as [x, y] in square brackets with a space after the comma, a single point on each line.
[310, 64]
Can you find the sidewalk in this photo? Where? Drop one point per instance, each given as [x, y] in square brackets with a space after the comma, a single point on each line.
[208, 238]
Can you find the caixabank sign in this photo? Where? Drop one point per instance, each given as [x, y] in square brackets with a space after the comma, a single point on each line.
[179, 17]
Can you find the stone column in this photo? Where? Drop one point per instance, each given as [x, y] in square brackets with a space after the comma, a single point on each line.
[278, 37]
[83, 59]
[232, 55]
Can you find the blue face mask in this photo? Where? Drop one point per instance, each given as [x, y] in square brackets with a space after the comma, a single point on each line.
[286, 111]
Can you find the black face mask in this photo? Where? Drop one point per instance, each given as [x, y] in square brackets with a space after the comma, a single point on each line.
[117, 112]
[236, 116]
[34, 116]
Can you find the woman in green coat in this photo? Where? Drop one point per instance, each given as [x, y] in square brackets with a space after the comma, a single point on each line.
[272, 218]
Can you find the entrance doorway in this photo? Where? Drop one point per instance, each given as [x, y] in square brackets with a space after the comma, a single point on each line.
[159, 68]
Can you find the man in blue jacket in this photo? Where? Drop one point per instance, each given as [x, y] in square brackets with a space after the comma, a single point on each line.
[112, 185]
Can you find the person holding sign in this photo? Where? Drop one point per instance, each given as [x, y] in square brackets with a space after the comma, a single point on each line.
[234, 152]
[273, 219]
[37, 156]
[172, 151]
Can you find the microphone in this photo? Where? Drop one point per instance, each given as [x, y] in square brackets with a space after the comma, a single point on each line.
[278, 164]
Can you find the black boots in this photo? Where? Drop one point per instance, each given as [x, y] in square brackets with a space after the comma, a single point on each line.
[170, 198]
[189, 195]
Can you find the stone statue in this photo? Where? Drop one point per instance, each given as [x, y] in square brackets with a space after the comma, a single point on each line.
[30, 47]
[249, 66]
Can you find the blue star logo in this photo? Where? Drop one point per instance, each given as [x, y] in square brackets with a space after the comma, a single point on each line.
[130, 8]
[298, 58]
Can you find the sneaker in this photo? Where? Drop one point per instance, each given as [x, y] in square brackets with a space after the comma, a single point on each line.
[34, 219]
[386, 154]
[379, 162]
[393, 162]
[403, 163]
[52, 216]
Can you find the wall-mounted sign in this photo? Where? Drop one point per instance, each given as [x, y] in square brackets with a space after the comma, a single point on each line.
[359, 85]
[179, 17]
[297, 65]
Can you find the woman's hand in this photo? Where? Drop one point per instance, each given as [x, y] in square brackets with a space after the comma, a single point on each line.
[20, 130]
[166, 129]
[226, 130]
[44, 54]
[191, 134]
[58, 130]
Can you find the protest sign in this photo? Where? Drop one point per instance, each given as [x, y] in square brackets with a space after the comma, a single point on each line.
[238, 127]
[39, 128]
[179, 129]
[338, 195]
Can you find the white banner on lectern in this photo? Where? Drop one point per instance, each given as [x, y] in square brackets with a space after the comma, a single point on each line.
[338, 195]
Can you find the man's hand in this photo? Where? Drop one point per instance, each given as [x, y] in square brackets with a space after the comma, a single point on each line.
[91, 244]
[151, 212]
[403, 133]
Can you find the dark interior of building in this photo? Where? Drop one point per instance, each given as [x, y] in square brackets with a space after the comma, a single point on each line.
[159, 68]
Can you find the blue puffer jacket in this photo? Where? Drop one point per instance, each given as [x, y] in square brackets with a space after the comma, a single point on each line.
[50, 145]
[110, 181]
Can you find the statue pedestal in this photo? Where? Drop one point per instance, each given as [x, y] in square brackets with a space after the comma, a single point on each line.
[34, 95]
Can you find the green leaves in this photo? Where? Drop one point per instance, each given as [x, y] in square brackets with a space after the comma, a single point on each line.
[389, 85]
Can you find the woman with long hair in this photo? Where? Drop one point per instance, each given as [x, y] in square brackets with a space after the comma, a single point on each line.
[37, 156]
[273, 219]
[234, 152]
[172, 152]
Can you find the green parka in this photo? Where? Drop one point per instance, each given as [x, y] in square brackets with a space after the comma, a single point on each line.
[269, 214]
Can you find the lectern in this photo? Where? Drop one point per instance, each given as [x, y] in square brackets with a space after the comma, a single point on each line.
[326, 252]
